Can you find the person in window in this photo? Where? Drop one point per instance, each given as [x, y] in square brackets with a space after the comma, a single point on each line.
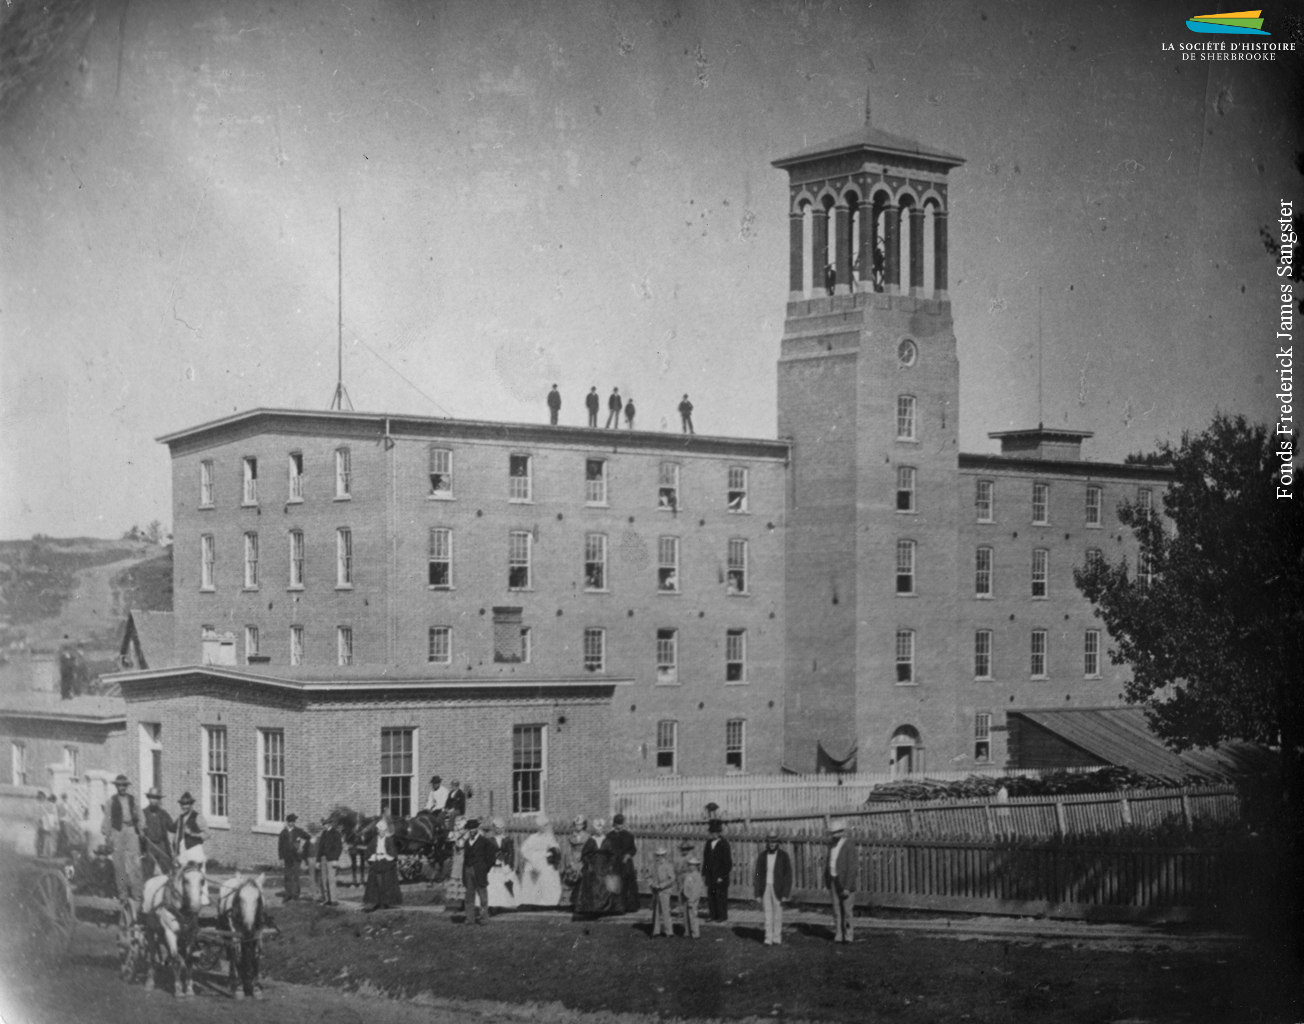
[158, 831]
[593, 403]
[121, 830]
[382, 891]
[629, 414]
[623, 850]
[614, 406]
[291, 849]
[554, 404]
[188, 846]
[686, 415]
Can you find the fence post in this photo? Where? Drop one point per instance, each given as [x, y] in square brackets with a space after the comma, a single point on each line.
[991, 826]
[1060, 820]
[910, 819]
[1186, 811]
[1126, 809]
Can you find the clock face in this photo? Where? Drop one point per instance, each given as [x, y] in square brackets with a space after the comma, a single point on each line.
[907, 353]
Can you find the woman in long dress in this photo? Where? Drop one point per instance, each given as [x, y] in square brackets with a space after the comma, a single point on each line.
[504, 886]
[599, 885]
[382, 889]
[540, 859]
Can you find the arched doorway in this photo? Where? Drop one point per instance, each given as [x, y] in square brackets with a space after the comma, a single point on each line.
[906, 751]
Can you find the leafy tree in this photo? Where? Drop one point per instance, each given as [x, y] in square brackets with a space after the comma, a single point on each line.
[1214, 634]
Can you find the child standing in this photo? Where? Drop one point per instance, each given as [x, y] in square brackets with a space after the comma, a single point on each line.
[691, 890]
[661, 882]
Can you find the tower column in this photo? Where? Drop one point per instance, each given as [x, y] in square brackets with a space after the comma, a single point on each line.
[796, 276]
[843, 213]
[819, 245]
[865, 252]
[892, 243]
[916, 250]
[939, 253]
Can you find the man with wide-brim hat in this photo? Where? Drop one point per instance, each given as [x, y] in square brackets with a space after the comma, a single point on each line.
[158, 831]
[840, 876]
[772, 884]
[188, 846]
[121, 831]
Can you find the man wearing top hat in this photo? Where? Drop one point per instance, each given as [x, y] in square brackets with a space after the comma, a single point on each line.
[290, 847]
[772, 884]
[478, 859]
[157, 830]
[840, 873]
[188, 846]
[121, 830]
[717, 863]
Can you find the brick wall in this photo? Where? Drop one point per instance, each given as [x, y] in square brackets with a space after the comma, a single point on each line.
[98, 748]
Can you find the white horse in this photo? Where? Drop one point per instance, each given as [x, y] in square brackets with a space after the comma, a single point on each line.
[242, 914]
[170, 910]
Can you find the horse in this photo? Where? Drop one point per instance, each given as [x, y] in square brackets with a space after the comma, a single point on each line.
[242, 914]
[170, 909]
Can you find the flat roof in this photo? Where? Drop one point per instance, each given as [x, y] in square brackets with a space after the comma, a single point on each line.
[368, 425]
[43, 706]
[996, 463]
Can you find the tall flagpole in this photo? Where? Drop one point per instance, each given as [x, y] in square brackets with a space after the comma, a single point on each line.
[341, 395]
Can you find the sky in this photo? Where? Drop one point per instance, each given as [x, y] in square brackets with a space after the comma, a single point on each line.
[580, 192]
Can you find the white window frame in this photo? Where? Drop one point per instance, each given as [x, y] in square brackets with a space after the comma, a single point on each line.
[1040, 504]
[522, 769]
[907, 418]
[1145, 500]
[206, 483]
[668, 487]
[343, 558]
[527, 645]
[72, 760]
[1091, 654]
[905, 657]
[595, 563]
[595, 649]
[296, 477]
[1040, 573]
[296, 645]
[737, 490]
[298, 547]
[982, 572]
[439, 645]
[667, 654]
[215, 772]
[441, 473]
[984, 500]
[520, 488]
[343, 645]
[735, 657]
[18, 762]
[982, 737]
[737, 568]
[735, 746]
[1039, 654]
[207, 562]
[249, 493]
[905, 568]
[668, 565]
[411, 775]
[905, 489]
[667, 747]
[440, 554]
[271, 776]
[1095, 506]
[595, 487]
[343, 474]
[250, 642]
[515, 560]
[150, 737]
[982, 654]
[251, 560]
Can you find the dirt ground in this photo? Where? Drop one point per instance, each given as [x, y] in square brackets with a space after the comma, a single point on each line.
[331, 966]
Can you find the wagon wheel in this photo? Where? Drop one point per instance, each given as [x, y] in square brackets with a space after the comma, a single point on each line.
[52, 899]
[409, 867]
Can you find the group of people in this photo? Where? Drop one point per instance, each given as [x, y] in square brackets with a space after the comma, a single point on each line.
[56, 827]
[133, 833]
[616, 405]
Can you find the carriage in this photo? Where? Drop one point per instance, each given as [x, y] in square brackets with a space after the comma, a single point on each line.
[424, 846]
[39, 895]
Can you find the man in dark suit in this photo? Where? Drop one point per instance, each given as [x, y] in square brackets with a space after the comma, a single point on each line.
[593, 403]
[717, 863]
[840, 876]
[290, 846]
[614, 406]
[772, 884]
[554, 404]
[330, 847]
[477, 860]
[455, 806]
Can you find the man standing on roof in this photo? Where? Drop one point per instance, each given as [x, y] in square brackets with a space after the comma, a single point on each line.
[593, 403]
[121, 830]
[615, 404]
[554, 404]
[686, 415]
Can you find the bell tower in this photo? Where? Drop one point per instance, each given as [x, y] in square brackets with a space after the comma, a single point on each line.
[868, 391]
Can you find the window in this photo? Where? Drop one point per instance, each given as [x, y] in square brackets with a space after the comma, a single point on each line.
[510, 640]
[343, 473]
[527, 641]
[215, 771]
[206, 483]
[595, 561]
[296, 645]
[251, 643]
[1091, 654]
[396, 771]
[1040, 559]
[1038, 666]
[1145, 574]
[736, 575]
[595, 481]
[736, 495]
[440, 648]
[344, 557]
[984, 500]
[1094, 501]
[207, 562]
[344, 645]
[216, 648]
[527, 768]
[1040, 504]
[734, 732]
[151, 754]
[982, 654]
[441, 558]
[905, 495]
[441, 473]
[667, 655]
[735, 656]
[905, 567]
[982, 582]
[667, 746]
[905, 655]
[668, 486]
[668, 565]
[251, 561]
[296, 476]
[595, 650]
[905, 417]
[296, 559]
[250, 480]
[518, 469]
[72, 761]
[518, 560]
[1094, 557]
[18, 763]
[982, 736]
[271, 775]
[1145, 500]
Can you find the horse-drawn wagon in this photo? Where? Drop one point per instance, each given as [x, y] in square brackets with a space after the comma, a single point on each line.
[37, 894]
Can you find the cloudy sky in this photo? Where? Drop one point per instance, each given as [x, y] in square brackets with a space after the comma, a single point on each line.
[580, 191]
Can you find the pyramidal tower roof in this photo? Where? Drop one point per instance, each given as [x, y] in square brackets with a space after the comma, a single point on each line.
[869, 139]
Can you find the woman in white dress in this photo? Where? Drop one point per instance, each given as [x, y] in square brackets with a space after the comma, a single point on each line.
[540, 868]
[504, 887]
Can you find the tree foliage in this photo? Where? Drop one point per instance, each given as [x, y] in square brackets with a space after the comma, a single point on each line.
[1214, 636]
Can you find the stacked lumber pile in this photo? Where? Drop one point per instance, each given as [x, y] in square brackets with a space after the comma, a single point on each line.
[1112, 779]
